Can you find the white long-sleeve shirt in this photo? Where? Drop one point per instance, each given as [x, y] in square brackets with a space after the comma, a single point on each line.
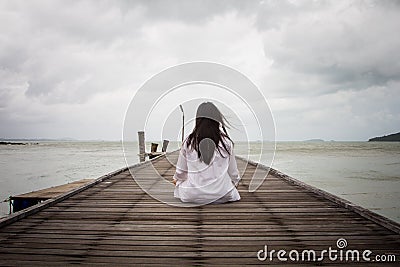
[201, 183]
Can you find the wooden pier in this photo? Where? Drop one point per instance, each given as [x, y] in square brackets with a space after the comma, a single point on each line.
[112, 222]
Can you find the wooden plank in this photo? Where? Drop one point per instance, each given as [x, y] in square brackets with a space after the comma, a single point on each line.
[54, 191]
[34, 209]
[381, 220]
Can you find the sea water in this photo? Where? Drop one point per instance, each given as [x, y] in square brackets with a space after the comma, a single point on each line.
[365, 173]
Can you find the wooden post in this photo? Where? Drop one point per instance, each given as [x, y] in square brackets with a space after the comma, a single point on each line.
[183, 127]
[153, 151]
[142, 147]
[183, 122]
[165, 145]
[154, 147]
[11, 206]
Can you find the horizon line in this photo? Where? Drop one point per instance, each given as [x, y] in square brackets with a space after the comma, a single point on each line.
[120, 140]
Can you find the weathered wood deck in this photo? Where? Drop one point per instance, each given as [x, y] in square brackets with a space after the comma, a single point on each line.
[112, 221]
[52, 192]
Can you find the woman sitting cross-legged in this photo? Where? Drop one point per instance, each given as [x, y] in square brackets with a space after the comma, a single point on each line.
[206, 171]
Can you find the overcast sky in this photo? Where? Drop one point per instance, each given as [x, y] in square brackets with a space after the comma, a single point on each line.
[329, 69]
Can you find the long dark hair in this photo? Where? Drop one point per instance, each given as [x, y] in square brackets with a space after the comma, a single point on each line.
[209, 132]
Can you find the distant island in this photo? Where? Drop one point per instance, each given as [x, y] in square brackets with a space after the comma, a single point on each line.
[386, 138]
[12, 143]
[314, 140]
[4, 143]
[36, 139]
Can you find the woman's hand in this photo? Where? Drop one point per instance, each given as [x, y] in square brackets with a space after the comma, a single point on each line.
[174, 181]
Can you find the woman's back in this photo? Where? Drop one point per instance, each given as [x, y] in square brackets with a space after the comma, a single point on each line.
[207, 172]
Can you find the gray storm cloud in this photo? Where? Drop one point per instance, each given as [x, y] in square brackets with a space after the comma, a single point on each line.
[71, 68]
